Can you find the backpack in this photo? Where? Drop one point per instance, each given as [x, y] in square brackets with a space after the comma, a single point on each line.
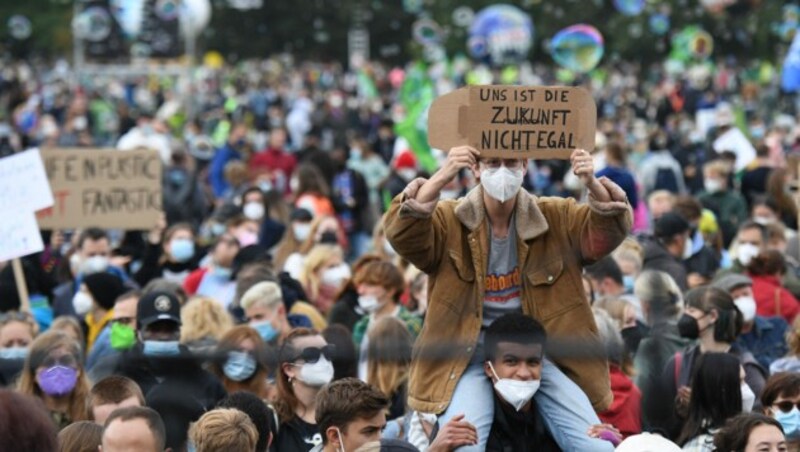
[665, 180]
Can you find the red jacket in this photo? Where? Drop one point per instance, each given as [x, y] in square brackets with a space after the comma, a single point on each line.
[625, 412]
[276, 162]
[772, 299]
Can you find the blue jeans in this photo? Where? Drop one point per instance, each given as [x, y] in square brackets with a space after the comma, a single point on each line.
[566, 410]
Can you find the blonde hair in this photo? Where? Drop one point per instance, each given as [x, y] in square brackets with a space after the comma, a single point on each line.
[388, 355]
[68, 322]
[40, 349]
[631, 251]
[203, 317]
[316, 258]
[267, 294]
[615, 308]
[661, 195]
[718, 167]
[224, 429]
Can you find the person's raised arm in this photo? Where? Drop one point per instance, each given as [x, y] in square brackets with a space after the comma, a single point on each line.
[458, 158]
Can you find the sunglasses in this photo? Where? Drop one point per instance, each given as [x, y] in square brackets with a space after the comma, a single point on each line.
[312, 354]
[786, 406]
[64, 360]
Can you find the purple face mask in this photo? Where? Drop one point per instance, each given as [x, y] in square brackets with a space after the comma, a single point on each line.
[57, 380]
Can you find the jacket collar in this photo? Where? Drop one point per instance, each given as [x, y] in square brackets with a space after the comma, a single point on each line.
[530, 222]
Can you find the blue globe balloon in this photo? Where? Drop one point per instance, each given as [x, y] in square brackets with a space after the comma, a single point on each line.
[500, 34]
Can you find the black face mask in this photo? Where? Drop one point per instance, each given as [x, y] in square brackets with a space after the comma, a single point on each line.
[688, 328]
[632, 336]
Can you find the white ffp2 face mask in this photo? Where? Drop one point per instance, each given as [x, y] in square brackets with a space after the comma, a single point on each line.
[82, 303]
[516, 392]
[746, 252]
[747, 305]
[316, 374]
[501, 183]
[748, 398]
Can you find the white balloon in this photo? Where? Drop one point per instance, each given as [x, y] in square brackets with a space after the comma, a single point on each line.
[195, 16]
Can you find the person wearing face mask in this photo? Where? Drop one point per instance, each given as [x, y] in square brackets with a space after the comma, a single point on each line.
[380, 285]
[324, 275]
[349, 414]
[711, 318]
[514, 346]
[305, 368]
[298, 233]
[92, 255]
[609, 282]
[719, 393]
[95, 302]
[781, 401]
[266, 313]
[214, 279]
[54, 373]
[275, 163]
[254, 207]
[170, 254]
[750, 241]
[244, 230]
[772, 299]
[240, 365]
[669, 247]
[17, 332]
[500, 250]
[120, 332]
[158, 359]
[763, 336]
[728, 205]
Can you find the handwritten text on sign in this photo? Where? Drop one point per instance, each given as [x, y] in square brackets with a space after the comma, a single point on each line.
[102, 187]
[513, 122]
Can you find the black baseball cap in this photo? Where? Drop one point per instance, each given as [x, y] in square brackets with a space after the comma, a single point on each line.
[157, 306]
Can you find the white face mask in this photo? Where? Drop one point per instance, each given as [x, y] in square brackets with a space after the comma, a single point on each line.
[688, 248]
[253, 210]
[94, 264]
[369, 303]
[746, 252]
[336, 276]
[301, 231]
[407, 174]
[82, 303]
[316, 374]
[712, 185]
[748, 398]
[515, 392]
[747, 305]
[501, 183]
[763, 221]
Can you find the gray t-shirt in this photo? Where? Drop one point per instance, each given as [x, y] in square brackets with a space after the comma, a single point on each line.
[503, 285]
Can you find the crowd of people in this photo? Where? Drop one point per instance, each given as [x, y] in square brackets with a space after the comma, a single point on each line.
[316, 283]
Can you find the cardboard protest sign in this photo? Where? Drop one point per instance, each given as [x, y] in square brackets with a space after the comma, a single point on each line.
[541, 122]
[106, 188]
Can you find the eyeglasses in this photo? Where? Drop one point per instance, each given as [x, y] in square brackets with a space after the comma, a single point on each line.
[63, 360]
[497, 163]
[786, 406]
[312, 354]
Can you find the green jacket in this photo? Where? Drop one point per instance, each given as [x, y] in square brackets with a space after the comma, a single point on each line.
[413, 323]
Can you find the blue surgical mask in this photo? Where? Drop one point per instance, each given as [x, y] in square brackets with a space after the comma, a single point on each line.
[217, 229]
[181, 249]
[265, 330]
[627, 281]
[13, 353]
[240, 366]
[222, 272]
[790, 422]
[161, 348]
